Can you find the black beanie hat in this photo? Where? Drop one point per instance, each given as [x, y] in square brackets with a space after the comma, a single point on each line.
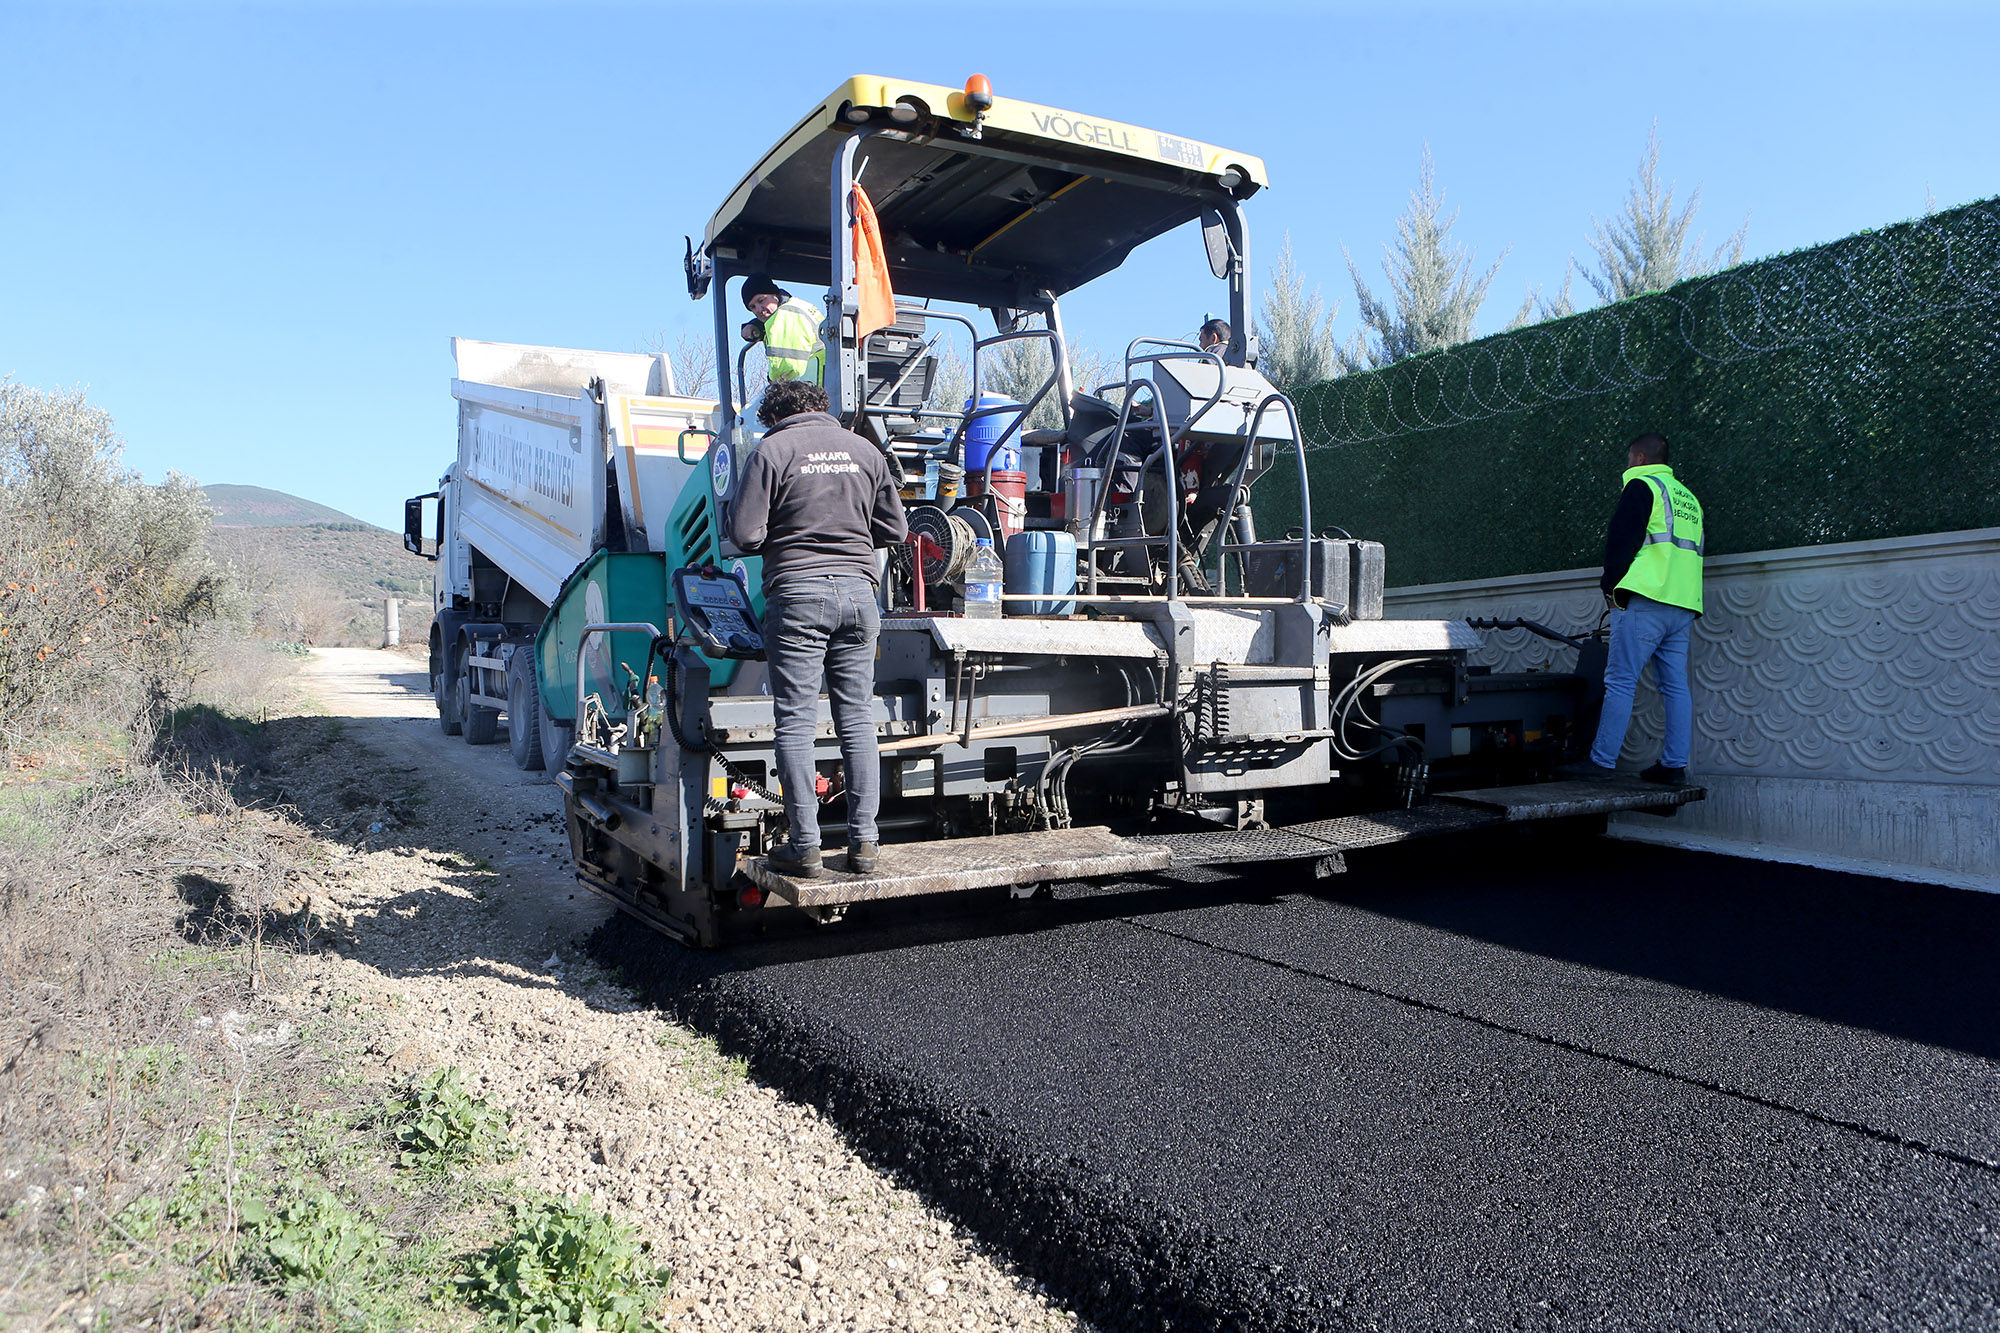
[760, 284]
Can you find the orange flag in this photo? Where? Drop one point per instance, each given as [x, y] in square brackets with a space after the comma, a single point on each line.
[871, 270]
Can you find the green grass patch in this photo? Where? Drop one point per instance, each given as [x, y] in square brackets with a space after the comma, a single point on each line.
[566, 1266]
[23, 827]
[440, 1126]
[709, 1070]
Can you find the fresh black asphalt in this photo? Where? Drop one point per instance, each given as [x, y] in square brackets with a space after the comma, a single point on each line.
[1496, 1085]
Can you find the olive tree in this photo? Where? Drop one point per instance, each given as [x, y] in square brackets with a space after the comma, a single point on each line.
[104, 579]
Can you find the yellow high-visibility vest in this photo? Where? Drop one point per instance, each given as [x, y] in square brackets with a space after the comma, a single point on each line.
[1668, 565]
[792, 345]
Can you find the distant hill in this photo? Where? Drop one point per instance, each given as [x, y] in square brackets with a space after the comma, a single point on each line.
[312, 574]
[257, 507]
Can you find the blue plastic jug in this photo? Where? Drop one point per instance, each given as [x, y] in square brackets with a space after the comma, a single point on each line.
[1041, 563]
[981, 432]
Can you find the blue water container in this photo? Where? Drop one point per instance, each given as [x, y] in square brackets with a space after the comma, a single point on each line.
[981, 432]
[1041, 564]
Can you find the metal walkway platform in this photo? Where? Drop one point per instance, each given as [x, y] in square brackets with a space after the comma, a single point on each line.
[1557, 800]
[910, 868]
[1321, 838]
[1444, 812]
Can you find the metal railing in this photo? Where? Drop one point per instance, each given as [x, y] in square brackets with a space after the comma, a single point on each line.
[590, 632]
[1171, 438]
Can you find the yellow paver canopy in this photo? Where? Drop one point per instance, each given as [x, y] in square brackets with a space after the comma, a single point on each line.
[983, 209]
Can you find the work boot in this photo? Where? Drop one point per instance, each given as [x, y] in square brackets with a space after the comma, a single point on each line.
[1666, 777]
[1583, 770]
[861, 857]
[794, 862]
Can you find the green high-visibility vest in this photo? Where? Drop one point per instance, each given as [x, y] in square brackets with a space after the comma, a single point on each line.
[1668, 566]
[792, 345]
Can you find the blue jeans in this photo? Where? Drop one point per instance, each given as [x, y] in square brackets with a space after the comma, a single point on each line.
[1647, 631]
[824, 626]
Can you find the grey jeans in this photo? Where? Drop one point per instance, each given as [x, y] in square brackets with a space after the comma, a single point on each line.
[824, 626]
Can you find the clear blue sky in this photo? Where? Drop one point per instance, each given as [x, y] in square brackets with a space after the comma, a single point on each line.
[250, 230]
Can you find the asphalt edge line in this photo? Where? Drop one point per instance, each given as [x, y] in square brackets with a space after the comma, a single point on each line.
[1578, 1048]
[1118, 1258]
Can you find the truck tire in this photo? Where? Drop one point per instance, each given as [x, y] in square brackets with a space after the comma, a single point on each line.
[479, 725]
[557, 737]
[524, 712]
[445, 694]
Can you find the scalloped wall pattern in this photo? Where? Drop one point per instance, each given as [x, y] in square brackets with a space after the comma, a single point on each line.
[1847, 698]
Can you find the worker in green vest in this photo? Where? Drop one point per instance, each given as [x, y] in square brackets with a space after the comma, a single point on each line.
[1652, 575]
[788, 328]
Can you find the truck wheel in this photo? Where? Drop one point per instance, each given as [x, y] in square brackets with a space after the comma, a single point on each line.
[524, 712]
[557, 741]
[446, 696]
[557, 735]
[478, 724]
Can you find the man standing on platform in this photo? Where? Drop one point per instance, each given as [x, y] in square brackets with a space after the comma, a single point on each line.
[816, 502]
[1652, 574]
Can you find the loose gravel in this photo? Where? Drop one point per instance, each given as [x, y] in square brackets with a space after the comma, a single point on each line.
[460, 943]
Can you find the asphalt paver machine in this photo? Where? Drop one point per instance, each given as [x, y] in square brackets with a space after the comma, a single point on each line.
[1165, 689]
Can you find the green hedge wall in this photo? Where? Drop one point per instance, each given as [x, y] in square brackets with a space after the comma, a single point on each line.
[1846, 392]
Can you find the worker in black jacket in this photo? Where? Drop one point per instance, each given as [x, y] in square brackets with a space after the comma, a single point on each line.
[1652, 575]
[816, 502]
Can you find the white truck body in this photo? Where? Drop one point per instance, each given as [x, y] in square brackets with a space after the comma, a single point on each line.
[533, 439]
[561, 452]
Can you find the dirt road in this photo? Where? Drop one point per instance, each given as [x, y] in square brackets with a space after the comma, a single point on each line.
[463, 945]
[510, 819]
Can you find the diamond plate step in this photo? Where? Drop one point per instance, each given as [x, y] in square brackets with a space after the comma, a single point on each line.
[1558, 800]
[1322, 837]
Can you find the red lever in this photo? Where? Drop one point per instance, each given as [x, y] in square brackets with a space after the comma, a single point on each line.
[923, 548]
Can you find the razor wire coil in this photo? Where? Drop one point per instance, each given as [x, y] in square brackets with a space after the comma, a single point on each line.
[1840, 393]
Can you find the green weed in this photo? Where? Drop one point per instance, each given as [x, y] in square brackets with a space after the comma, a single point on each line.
[319, 1141]
[566, 1266]
[440, 1125]
[312, 1240]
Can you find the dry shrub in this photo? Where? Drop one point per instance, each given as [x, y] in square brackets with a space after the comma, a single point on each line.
[104, 580]
[242, 675]
[291, 607]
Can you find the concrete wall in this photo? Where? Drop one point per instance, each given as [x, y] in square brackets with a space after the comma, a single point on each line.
[1847, 700]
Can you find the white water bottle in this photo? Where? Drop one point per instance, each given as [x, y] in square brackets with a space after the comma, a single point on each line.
[983, 578]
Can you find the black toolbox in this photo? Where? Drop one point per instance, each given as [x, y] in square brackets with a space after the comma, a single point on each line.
[1343, 570]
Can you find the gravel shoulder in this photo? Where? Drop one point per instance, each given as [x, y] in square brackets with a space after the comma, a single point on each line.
[462, 943]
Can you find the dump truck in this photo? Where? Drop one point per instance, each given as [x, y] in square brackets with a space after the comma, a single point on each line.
[1167, 689]
[561, 454]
